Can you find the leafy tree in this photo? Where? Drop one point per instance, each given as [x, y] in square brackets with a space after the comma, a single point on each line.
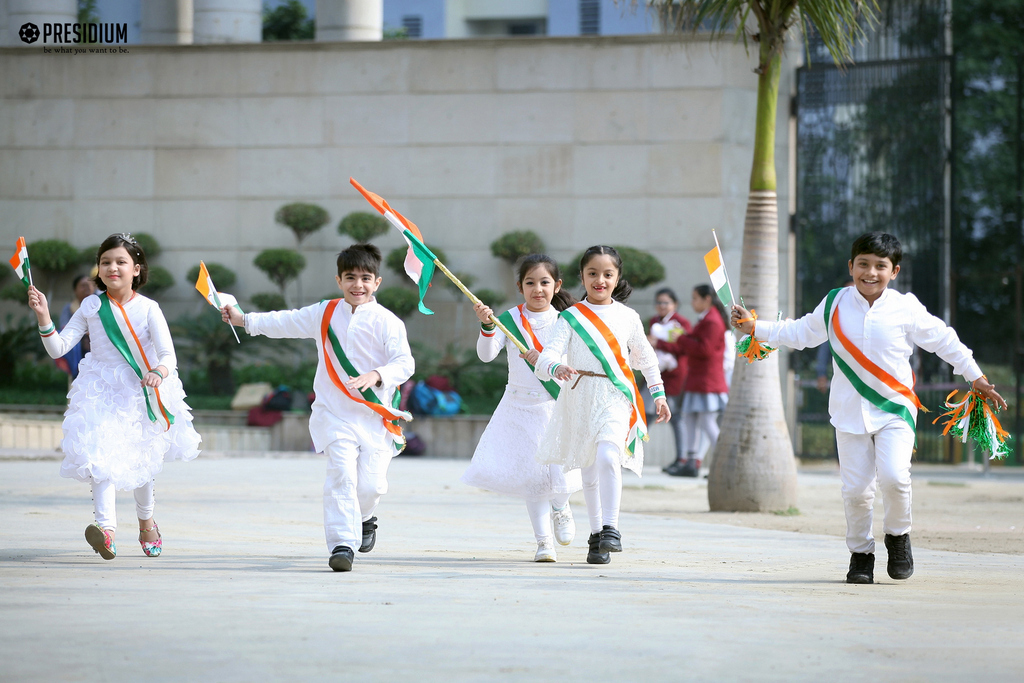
[280, 265]
[753, 467]
[159, 281]
[222, 276]
[288, 21]
[302, 219]
[269, 301]
[490, 298]
[87, 257]
[17, 339]
[467, 279]
[52, 258]
[363, 226]
[207, 341]
[399, 300]
[512, 246]
[149, 244]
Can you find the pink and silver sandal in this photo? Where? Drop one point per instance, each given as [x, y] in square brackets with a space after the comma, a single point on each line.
[101, 541]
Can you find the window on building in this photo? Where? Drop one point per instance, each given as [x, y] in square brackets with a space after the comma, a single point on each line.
[413, 25]
[590, 17]
[524, 29]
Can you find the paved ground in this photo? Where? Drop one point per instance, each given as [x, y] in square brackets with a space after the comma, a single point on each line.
[243, 593]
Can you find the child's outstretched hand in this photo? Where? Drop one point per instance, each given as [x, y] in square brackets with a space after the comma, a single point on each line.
[564, 372]
[483, 312]
[988, 390]
[230, 314]
[531, 356]
[739, 313]
[37, 302]
[364, 381]
[664, 413]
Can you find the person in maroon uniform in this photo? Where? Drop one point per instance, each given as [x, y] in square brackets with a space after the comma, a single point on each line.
[669, 326]
[705, 392]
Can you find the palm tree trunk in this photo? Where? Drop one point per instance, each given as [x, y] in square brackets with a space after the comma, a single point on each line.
[753, 468]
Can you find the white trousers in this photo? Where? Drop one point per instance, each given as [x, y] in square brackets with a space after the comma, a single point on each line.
[356, 479]
[702, 431]
[870, 461]
[103, 501]
[540, 514]
[602, 486]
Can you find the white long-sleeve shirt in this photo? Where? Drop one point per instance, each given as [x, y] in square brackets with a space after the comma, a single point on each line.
[886, 333]
[373, 338]
[519, 374]
[146, 318]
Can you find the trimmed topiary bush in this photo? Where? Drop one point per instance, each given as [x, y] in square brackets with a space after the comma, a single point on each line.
[302, 219]
[222, 276]
[150, 247]
[490, 298]
[399, 300]
[467, 279]
[512, 246]
[640, 268]
[280, 265]
[269, 301]
[88, 256]
[52, 256]
[362, 226]
[160, 280]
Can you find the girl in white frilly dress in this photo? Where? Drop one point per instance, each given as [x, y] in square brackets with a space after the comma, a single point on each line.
[599, 424]
[126, 410]
[504, 460]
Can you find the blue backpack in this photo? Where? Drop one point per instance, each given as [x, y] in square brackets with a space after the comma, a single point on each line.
[427, 400]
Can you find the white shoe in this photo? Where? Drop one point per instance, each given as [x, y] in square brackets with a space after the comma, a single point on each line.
[545, 552]
[564, 525]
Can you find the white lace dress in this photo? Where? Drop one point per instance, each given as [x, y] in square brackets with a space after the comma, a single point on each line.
[107, 431]
[504, 459]
[595, 410]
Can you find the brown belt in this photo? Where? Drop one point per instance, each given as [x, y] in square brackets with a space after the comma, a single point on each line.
[580, 374]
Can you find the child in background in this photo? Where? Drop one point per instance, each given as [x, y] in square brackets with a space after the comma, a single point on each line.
[126, 409]
[504, 459]
[599, 423]
[354, 420]
[872, 331]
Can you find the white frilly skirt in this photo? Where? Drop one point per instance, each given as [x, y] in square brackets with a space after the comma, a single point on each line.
[108, 435]
[505, 458]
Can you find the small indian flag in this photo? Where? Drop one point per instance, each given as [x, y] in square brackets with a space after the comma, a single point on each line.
[217, 299]
[719, 278]
[419, 260]
[20, 262]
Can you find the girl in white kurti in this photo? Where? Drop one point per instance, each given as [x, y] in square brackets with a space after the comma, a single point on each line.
[598, 423]
[126, 410]
[504, 459]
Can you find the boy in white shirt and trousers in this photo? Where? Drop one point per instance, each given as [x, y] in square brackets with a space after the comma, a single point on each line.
[363, 357]
[872, 331]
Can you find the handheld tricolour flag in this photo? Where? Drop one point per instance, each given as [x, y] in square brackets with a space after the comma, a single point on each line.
[217, 299]
[419, 260]
[719, 276]
[20, 262]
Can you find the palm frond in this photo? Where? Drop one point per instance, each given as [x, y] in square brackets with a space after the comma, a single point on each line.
[840, 23]
[718, 17]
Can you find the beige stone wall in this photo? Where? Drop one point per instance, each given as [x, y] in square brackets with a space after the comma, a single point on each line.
[644, 141]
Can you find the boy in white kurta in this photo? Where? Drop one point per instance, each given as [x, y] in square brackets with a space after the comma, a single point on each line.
[872, 331]
[363, 357]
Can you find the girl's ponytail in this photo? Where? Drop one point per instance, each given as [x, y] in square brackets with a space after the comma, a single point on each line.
[562, 299]
[622, 291]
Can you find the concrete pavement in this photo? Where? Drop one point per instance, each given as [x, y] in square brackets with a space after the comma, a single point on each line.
[243, 592]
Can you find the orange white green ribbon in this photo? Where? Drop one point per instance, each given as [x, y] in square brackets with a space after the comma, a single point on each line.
[873, 383]
[335, 358]
[972, 417]
[516, 323]
[749, 347]
[605, 347]
[122, 335]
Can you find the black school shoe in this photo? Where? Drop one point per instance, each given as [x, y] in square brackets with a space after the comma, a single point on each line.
[341, 558]
[862, 568]
[595, 556]
[901, 559]
[369, 535]
[610, 540]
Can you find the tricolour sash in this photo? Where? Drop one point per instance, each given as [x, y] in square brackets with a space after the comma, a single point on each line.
[876, 385]
[520, 327]
[334, 355]
[600, 340]
[122, 335]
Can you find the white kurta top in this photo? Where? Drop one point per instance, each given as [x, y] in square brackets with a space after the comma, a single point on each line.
[373, 338]
[595, 410]
[519, 374]
[886, 332]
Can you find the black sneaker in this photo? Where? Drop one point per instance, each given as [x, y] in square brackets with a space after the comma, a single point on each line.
[862, 568]
[595, 556]
[673, 469]
[610, 540]
[901, 559]
[369, 535]
[341, 558]
[686, 469]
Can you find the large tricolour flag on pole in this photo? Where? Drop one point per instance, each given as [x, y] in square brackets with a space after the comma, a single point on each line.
[419, 261]
[20, 262]
[719, 280]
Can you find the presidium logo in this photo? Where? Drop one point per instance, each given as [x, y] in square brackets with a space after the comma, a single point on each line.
[59, 34]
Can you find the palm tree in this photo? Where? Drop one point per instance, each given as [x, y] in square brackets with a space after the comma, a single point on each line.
[753, 467]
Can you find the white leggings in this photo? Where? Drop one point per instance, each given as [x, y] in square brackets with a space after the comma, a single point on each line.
[540, 513]
[602, 486]
[701, 426]
[103, 495]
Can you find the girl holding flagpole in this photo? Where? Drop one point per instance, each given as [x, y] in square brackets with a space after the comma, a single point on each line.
[598, 423]
[126, 409]
[504, 459]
